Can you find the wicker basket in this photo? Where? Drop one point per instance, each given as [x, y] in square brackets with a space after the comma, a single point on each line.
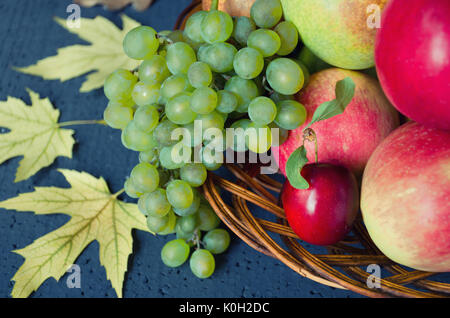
[343, 266]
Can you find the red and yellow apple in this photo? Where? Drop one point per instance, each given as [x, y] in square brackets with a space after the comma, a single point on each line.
[340, 32]
[347, 139]
[235, 8]
[412, 54]
[405, 197]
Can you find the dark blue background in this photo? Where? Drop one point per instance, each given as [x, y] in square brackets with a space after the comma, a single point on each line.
[28, 34]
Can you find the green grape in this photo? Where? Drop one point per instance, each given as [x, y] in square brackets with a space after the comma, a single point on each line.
[215, 139]
[186, 236]
[146, 94]
[170, 227]
[192, 44]
[259, 138]
[117, 116]
[178, 109]
[243, 26]
[199, 74]
[170, 159]
[202, 263]
[119, 85]
[163, 133]
[176, 36]
[130, 189]
[244, 89]
[266, 13]
[174, 85]
[165, 159]
[193, 28]
[305, 71]
[192, 209]
[146, 118]
[147, 156]
[179, 57]
[211, 159]
[237, 140]
[226, 102]
[154, 70]
[193, 138]
[285, 76]
[145, 177]
[141, 43]
[290, 115]
[175, 253]
[248, 63]
[180, 194]
[208, 218]
[288, 34]
[203, 100]
[279, 135]
[265, 41]
[154, 203]
[188, 223]
[216, 26]
[219, 56]
[211, 120]
[262, 110]
[217, 241]
[194, 173]
[156, 224]
[201, 52]
[135, 139]
[123, 102]
[277, 97]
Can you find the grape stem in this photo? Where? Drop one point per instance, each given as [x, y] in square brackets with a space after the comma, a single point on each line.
[164, 37]
[310, 135]
[214, 5]
[266, 86]
[82, 122]
[196, 238]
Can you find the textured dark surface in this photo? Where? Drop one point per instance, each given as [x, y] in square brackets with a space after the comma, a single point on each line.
[28, 33]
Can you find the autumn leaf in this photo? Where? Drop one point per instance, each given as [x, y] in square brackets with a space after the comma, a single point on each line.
[96, 214]
[139, 5]
[34, 134]
[103, 56]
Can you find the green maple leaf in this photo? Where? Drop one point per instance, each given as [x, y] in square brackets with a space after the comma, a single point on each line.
[34, 134]
[96, 214]
[103, 56]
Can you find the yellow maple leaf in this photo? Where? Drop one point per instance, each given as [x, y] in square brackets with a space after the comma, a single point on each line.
[103, 56]
[96, 214]
[34, 134]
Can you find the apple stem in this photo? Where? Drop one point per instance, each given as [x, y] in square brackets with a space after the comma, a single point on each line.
[214, 5]
[310, 135]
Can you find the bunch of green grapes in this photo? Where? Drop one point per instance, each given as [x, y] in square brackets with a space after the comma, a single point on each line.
[220, 72]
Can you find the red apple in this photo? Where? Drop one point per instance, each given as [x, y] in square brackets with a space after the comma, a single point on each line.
[347, 139]
[405, 198]
[324, 213]
[412, 55]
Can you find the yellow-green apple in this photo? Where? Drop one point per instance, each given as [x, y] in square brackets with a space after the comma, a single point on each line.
[340, 32]
[347, 139]
[412, 55]
[405, 198]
